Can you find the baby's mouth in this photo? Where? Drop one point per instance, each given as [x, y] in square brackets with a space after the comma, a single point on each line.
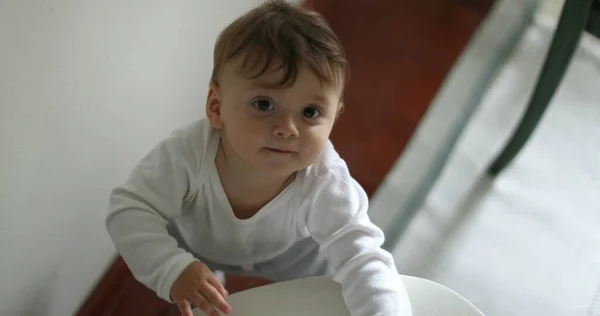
[279, 150]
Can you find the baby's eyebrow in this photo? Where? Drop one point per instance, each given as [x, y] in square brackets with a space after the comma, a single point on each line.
[261, 85]
[317, 97]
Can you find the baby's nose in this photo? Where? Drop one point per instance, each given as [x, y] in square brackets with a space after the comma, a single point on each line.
[285, 128]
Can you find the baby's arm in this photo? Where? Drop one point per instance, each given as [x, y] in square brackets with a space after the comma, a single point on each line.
[139, 211]
[338, 221]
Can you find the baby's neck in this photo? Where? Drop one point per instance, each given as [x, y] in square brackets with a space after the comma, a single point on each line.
[251, 180]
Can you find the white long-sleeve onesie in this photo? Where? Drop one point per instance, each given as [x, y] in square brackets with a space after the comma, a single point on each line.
[177, 181]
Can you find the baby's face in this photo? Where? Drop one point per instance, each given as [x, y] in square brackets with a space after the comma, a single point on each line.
[276, 130]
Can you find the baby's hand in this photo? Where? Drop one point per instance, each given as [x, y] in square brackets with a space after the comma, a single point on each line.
[199, 286]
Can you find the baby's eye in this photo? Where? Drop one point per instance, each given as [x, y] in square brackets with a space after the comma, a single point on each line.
[263, 105]
[311, 112]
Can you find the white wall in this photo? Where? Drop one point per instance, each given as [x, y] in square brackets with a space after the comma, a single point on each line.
[86, 88]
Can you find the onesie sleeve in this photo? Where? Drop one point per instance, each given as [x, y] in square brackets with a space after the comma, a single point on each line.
[337, 219]
[140, 209]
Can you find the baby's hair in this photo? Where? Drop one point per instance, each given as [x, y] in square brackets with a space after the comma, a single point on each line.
[285, 36]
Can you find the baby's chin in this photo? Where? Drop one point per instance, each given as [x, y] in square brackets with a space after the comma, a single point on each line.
[283, 168]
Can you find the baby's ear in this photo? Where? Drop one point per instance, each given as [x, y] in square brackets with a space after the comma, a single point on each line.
[340, 110]
[213, 106]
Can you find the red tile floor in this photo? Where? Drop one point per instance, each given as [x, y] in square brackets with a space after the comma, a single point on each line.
[400, 52]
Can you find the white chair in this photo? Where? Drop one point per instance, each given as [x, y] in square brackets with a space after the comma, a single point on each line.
[321, 296]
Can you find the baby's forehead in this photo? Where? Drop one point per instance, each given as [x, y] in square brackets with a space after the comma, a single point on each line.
[305, 84]
[276, 76]
[277, 73]
[270, 77]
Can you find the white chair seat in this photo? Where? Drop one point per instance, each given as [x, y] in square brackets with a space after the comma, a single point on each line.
[321, 296]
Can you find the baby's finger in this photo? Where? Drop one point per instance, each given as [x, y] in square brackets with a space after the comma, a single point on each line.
[202, 303]
[214, 281]
[216, 298]
[184, 307]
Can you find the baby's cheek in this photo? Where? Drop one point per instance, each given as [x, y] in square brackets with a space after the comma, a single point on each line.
[314, 147]
[250, 139]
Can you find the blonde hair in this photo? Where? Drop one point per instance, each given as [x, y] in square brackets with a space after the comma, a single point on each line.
[283, 35]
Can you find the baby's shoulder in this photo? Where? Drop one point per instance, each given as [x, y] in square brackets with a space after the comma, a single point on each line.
[329, 170]
[192, 135]
[330, 189]
[191, 141]
[188, 145]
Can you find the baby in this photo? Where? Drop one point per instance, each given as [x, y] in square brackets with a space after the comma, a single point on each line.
[256, 188]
